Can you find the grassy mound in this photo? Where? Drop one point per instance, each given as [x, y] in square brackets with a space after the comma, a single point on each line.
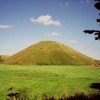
[49, 53]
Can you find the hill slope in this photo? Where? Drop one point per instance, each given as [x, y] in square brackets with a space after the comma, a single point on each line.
[49, 53]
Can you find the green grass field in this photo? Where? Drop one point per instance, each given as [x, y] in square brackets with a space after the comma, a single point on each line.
[51, 80]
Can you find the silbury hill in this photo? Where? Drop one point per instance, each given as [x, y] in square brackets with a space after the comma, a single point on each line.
[49, 53]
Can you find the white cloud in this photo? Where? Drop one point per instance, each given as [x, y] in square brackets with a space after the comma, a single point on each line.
[65, 4]
[73, 41]
[46, 20]
[61, 5]
[88, 1]
[5, 26]
[85, 1]
[53, 34]
[81, 1]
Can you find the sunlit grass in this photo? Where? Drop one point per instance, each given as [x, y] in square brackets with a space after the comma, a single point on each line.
[53, 80]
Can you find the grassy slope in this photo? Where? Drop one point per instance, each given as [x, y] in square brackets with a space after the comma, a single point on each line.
[50, 53]
[54, 80]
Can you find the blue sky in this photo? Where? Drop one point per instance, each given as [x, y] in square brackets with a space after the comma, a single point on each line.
[25, 22]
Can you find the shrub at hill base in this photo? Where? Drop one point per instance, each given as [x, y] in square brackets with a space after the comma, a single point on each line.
[97, 63]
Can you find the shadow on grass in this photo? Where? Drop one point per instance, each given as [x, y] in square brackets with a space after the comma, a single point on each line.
[95, 86]
[80, 96]
[23, 95]
[77, 96]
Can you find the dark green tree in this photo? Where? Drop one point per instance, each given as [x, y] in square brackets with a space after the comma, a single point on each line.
[95, 32]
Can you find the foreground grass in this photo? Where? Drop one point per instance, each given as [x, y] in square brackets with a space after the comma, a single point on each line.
[53, 80]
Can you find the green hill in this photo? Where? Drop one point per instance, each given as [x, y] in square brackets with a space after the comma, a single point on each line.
[49, 53]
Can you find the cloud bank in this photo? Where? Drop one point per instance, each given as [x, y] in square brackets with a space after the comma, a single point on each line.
[5, 26]
[53, 34]
[85, 1]
[73, 41]
[46, 20]
[65, 4]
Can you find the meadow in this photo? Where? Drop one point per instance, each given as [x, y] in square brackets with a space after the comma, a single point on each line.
[54, 80]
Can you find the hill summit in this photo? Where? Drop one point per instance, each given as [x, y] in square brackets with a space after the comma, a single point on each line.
[49, 53]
